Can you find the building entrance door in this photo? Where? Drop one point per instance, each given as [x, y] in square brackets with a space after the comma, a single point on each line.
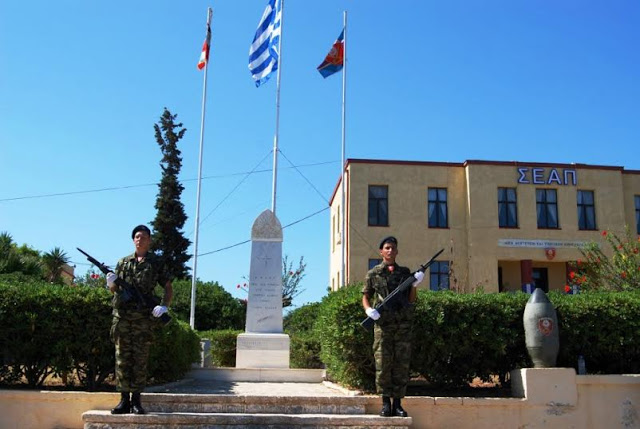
[540, 278]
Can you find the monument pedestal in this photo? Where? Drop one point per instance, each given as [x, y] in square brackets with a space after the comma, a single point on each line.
[262, 351]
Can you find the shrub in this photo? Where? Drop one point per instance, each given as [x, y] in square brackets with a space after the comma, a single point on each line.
[458, 337]
[175, 348]
[305, 344]
[223, 346]
[345, 345]
[216, 309]
[603, 327]
[53, 329]
[462, 336]
[620, 272]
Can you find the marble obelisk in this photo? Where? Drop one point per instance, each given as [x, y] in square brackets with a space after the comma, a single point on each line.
[264, 345]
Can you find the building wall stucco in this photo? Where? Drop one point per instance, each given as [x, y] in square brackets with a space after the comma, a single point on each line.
[473, 241]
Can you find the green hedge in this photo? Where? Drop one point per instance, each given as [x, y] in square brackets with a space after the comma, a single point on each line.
[223, 346]
[216, 309]
[462, 336]
[305, 344]
[53, 330]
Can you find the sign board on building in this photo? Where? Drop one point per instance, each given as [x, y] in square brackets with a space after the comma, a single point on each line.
[520, 242]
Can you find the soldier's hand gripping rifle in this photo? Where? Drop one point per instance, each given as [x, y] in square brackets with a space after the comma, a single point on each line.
[390, 299]
[142, 301]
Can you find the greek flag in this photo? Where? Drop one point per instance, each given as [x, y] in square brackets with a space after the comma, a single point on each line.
[263, 53]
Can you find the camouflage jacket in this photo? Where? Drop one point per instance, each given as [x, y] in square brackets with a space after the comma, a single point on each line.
[145, 274]
[380, 281]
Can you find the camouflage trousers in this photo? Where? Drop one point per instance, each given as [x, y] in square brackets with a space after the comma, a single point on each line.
[392, 353]
[132, 334]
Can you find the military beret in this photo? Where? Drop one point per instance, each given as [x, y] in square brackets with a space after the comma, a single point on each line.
[389, 239]
[140, 228]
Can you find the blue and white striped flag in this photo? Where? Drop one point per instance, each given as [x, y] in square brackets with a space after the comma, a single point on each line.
[263, 53]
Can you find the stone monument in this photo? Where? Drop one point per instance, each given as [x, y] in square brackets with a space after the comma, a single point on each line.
[264, 345]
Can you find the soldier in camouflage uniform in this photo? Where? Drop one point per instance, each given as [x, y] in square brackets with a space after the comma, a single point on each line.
[393, 328]
[132, 328]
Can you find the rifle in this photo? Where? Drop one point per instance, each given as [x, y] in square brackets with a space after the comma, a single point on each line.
[129, 291]
[396, 293]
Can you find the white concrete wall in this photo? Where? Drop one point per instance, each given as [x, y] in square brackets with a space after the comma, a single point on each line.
[552, 398]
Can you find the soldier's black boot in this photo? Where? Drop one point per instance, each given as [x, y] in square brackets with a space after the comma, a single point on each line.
[386, 407]
[136, 406]
[124, 407]
[397, 408]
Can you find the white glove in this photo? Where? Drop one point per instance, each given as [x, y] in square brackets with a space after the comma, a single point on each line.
[372, 313]
[159, 310]
[111, 279]
[419, 275]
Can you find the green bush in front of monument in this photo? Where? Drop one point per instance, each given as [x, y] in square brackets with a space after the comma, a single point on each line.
[216, 309]
[304, 343]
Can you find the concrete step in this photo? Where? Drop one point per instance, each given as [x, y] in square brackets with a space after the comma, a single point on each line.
[105, 420]
[258, 374]
[258, 404]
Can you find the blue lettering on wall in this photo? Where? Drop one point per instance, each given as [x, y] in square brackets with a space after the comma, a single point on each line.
[523, 175]
[553, 177]
[540, 176]
[538, 179]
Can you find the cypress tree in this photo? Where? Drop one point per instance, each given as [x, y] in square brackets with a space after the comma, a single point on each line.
[168, 239]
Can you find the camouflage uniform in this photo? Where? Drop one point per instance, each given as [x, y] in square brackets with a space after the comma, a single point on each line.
[132, 328]
[392, 332]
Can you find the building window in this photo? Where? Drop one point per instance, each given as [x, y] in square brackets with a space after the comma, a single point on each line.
[438, 208]
[439, 275]
[507, 208]
[637, 198]
[547, 208]
[374, 262]
[586, 211]
[378, 206]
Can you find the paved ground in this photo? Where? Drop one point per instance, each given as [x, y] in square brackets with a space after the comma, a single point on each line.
[250, 388]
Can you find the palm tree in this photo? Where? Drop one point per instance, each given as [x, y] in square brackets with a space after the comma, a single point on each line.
[9, 260]
[54, 261]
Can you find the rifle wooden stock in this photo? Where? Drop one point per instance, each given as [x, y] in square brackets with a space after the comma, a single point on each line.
[395, 294]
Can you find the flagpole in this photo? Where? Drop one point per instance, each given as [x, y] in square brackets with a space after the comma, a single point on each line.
[276, 136]
[343, 171]
[192, 315]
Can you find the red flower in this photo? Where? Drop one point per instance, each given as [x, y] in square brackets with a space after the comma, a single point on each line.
[623, 274]
[604, 233]
[567, 288]
[620, 247]
[579, 262]
[572, 275]
[583, 279]
[635, 250]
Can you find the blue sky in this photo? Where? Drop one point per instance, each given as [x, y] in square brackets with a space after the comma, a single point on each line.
[83, 83]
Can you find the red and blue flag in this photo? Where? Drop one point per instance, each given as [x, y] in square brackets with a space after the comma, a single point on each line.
[334, 60]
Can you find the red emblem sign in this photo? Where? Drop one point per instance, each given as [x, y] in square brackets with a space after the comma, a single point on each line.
[550, 253]
[545, 326]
